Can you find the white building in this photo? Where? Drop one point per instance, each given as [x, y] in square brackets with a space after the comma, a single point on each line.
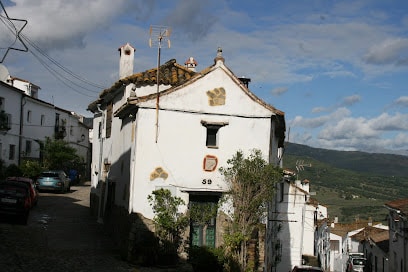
[297, 236]
[337, 254]
[174, 135]
[374, 242]
[26, 121]
[398, 234]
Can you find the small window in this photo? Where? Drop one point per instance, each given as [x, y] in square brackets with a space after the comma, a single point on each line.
[109, 114]
[281, 191]
[212, 136]
[1, 103]
[28, 148]
[100, 130]
[12, 152]
[42, 119]
[212, 133]
[29, 116]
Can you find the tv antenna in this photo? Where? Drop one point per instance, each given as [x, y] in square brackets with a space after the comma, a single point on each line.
[158, 34]
[300, 166]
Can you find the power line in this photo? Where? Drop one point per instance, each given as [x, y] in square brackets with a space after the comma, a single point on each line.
[58, 75]
[42, 52]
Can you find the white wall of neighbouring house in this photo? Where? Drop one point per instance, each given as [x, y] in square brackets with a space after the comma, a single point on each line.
[11, 101]
[291, 215]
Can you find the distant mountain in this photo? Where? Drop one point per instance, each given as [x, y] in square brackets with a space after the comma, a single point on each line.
[351, 184]
[373, 163]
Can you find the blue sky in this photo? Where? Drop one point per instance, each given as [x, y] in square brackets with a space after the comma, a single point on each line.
[338, 69]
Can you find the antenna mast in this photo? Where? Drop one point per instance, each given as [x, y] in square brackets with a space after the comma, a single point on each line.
[300, 166]
[158, 34]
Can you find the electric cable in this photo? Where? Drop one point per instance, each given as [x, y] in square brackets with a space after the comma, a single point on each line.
[58, 75]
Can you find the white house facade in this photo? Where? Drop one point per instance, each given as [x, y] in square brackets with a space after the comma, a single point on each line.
[25, 122]
[398, 234]
[375, 246]
[175, 135]
[298, 236]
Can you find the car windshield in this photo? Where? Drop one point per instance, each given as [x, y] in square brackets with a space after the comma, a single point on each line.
[358, 261]
[49, 175]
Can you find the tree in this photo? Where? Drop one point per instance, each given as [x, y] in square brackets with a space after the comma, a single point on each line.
[31, 168]
[57, 154]
[169, 222]
[251, 187]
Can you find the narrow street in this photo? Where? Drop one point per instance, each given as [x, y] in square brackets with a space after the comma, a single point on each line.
[60, 236]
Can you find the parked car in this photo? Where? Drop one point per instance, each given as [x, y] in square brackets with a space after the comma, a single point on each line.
[53, 180]
[33, 189]
[355, 264]
[305, 268]
[15, 199]
[355, 254]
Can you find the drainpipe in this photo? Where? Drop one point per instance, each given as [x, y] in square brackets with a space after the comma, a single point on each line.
[100, 183]
[302, 233]
[20, 136]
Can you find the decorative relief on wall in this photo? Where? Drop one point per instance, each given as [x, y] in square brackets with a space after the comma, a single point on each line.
[158, 173]
[216, 97]
[210, 163]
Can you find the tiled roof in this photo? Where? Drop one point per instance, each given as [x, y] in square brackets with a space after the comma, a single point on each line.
[170, 73]
[343, 228]
[379, 236]
[400, 204]
[175, 75]
[370, 231]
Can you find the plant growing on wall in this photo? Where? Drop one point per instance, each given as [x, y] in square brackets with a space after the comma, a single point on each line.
[251, 186]
[169, 222]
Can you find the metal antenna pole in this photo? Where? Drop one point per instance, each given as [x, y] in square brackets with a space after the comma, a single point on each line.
[161, 33]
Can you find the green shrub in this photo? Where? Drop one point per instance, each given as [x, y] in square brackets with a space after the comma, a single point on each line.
[205, 259]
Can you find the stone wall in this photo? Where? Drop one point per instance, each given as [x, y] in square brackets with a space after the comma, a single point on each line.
[133, 234]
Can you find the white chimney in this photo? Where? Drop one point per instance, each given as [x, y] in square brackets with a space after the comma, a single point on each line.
[191, 64]
[127, 56]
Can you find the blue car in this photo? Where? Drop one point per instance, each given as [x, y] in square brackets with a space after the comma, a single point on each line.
[53, 180]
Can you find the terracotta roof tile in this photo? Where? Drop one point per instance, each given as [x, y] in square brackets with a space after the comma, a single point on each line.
[399, 204]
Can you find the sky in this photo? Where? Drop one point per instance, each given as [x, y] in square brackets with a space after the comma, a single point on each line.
[338, 69]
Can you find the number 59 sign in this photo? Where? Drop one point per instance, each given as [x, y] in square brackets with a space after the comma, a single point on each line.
[206, 181]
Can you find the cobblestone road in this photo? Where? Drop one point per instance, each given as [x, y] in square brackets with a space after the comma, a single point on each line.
[61, 236]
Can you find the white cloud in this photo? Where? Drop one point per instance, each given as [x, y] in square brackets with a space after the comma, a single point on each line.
[350, 100]
[386, 122]
[279, 91]
[402, 101]
[57, 24]
[390, 51]
[320, 121]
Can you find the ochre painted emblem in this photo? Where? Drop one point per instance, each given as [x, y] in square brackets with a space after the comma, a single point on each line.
[216, 97]
[158, 173]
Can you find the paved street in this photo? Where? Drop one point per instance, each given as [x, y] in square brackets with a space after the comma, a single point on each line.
[60, 236]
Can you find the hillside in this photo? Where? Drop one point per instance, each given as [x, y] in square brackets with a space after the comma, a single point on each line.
[351, 184]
